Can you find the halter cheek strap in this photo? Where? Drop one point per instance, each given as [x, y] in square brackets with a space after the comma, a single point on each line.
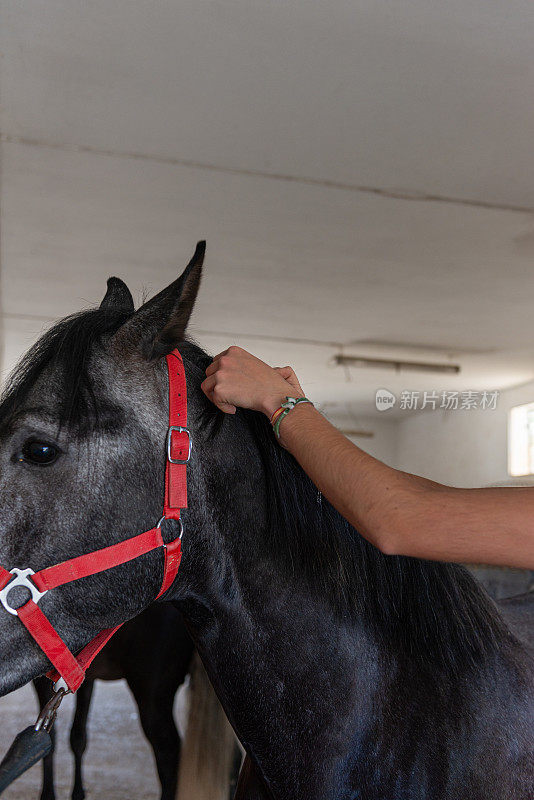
[178, 451]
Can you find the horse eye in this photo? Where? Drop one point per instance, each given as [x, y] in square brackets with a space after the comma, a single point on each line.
[39, 452]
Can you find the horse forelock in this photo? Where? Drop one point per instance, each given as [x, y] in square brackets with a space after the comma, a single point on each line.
[58, 369]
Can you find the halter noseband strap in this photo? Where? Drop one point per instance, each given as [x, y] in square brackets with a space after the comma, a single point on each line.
[178, 451]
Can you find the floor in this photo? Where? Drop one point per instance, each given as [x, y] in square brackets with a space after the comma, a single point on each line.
[118, 764]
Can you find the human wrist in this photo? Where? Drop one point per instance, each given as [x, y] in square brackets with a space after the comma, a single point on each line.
[285, 409]
[273, 402]
[293, 421]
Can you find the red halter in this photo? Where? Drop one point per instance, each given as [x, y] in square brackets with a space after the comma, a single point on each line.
[178, 449]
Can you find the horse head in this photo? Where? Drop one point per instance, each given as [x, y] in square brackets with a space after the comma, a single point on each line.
[83, 423]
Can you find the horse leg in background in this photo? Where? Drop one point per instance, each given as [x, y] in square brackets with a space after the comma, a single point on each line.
[44, 690]
[250, 786]
[155, 703]
[209, 742]
[237, 763]
[78, 735]
[152, 652]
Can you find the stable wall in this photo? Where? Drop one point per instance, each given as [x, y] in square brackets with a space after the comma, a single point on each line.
[460, 448]
[383, 442]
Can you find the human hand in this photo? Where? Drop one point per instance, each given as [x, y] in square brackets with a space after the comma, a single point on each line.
[237, 378]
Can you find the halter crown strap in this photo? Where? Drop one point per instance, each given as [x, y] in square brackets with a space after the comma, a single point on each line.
[178, 442]
[178, 450]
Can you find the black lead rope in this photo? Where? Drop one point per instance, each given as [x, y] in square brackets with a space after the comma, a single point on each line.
[30, 745]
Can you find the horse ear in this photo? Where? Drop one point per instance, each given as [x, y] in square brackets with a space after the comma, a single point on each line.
[118, 297]
[159, 325]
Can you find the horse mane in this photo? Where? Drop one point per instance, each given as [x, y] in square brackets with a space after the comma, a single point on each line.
[433, 613]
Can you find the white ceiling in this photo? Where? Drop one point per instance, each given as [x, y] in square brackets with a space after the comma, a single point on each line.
[291, 136]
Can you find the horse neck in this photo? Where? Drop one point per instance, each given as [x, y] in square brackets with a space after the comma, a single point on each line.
[264, 644]
[285, 672]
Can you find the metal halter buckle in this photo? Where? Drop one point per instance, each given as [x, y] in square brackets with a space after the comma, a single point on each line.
[20, 578]
[179, 429]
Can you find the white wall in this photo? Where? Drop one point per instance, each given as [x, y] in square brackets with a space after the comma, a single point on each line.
[460, 448]
[382, 444]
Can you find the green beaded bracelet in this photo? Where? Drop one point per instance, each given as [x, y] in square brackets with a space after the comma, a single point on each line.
[288, 406]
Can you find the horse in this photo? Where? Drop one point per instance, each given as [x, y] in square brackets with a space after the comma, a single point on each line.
[347, 674]
[152, 652]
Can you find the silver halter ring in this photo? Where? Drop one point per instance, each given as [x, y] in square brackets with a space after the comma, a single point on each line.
[177, 520]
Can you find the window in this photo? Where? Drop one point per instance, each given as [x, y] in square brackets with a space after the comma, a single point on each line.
[521, 440]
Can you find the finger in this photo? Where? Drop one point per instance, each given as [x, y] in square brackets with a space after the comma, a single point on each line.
[288, 373]
[213, 367]
[207, 387]
[219, 355]
[228, 408]
[285, 372]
